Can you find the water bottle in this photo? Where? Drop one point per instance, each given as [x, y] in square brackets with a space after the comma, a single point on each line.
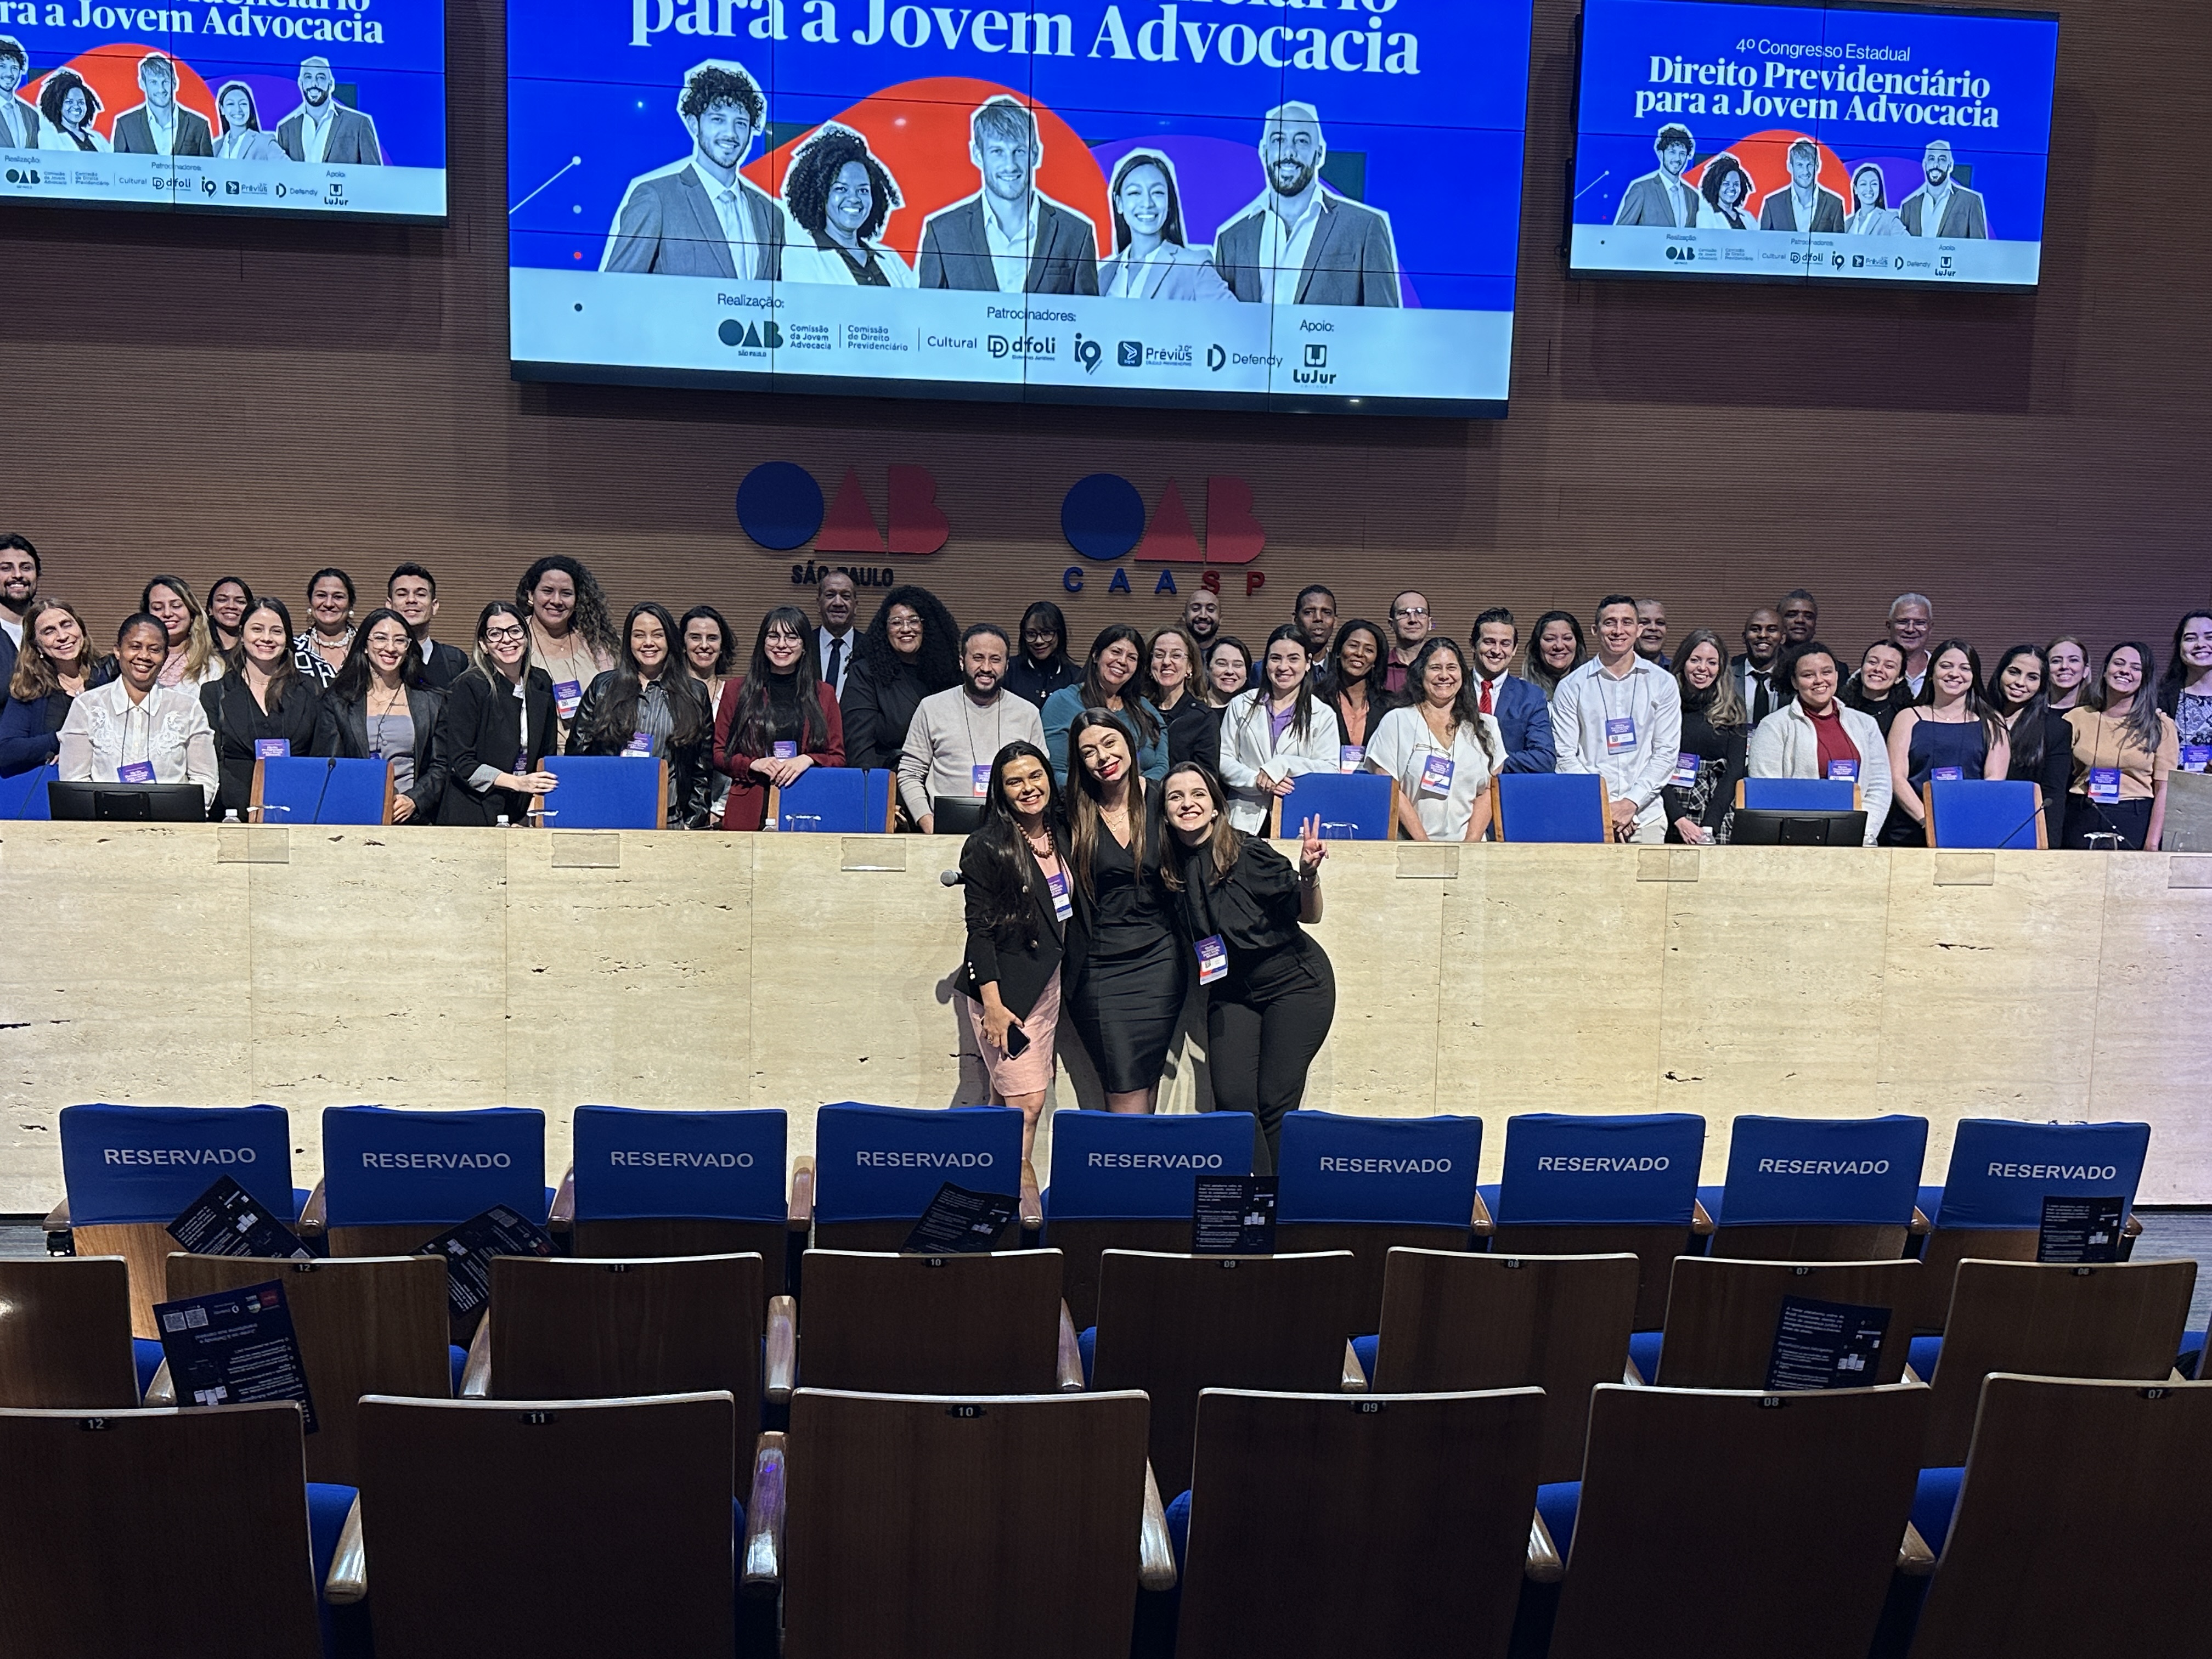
[231, 817]
[501, 821]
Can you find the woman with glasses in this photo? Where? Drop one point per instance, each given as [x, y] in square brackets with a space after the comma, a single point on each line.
[378, 708]
[497, 726]
[1042, 665]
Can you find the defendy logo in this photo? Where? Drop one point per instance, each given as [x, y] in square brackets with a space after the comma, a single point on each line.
[1216, 358]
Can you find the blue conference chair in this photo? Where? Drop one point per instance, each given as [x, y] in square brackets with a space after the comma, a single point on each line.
[1366, 1184]
[1979, 812]
[1551, 806]
[392, 1179]
[23, 797]
[1817, 1189]
[1350, 805]
[304, 789]
[1125, 1181]
[128, 1171]
[660, 1183]
[836, 799]
[1578, 1185]
[878, 1166]
[1797, 794]
[606, 791]
[1990, 1204]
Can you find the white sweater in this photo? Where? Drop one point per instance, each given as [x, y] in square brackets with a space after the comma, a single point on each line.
[1247, 749]
[1785, 745]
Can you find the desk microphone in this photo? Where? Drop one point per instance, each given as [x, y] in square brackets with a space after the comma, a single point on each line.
[951, 878]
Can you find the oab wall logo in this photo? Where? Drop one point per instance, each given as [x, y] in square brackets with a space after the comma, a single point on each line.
[1104, 517]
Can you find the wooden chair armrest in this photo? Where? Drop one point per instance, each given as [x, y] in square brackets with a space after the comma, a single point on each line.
[476, 1376]
[57, 1220]
[782, 1374]
[1914, 1559]
[1155, 1562]
[1543, 1565]
[1701, 1219]
[313, 1214]
[161, 1387]
[762, 1571]
[1920, 1224]
[802, 1193]
[1030, 1201]
[1354, 1380]
[347, 1582]
[561, 1218]
[1482, 1225]
[1071, 1353]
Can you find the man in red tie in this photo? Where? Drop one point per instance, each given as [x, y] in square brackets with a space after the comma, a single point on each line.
[1524, 720]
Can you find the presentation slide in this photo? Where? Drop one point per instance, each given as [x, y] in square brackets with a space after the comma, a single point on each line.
[314, 106]
[1268, 203]
[1809, 143]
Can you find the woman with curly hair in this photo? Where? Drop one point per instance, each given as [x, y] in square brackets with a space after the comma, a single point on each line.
[910, 650]
[840, 195]
[571, 637]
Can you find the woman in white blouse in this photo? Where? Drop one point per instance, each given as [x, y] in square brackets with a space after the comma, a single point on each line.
[1441, 749]
[133, 730]
[1274, 731]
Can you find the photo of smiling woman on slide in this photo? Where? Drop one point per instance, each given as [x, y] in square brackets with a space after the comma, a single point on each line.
[1150, 261]
[839, 196]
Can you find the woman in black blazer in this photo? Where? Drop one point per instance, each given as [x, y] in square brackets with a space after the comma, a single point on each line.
[262, 700]
[2042, 747]
[497, 726]
[1019, 902]
[378, 708]
[647, 692]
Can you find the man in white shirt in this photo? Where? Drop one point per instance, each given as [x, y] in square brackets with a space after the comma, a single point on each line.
[1664, 198]
[1621, 717]
[19, 586]
[1912, 619]
[1942, 206]
[1299, 243]
[835, 600]
[957, 734]
[324, 129]
[1804, 208]
[1009, 237]
[700, 217]
[160, 126]
[19, 117]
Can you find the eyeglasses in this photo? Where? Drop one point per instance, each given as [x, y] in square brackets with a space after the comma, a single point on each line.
[1412, 610]
[503, 636]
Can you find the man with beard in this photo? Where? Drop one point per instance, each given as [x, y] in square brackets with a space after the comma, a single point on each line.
[700, 216]
[1942, 207]
[1009, 237]
[19, 586]
[957, 734]
[1298, 244]
[324, 129]
[1201, 614]
[1664, 198]
[19, 117]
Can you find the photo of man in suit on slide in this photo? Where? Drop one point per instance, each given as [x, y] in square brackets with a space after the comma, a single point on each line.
[1297, 244]
[1804, 208]
[700, 216]
[19, 117]
[1940, 207]
[1009, 237]
[162, 126]
[1664, 198]
[324, 129]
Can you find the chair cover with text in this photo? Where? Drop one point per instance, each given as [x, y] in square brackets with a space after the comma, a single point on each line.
[878, 1166]
[694, 1182]
[1817, 1189]
[1585, 1185]
[1126, 1180]
[421, 1172]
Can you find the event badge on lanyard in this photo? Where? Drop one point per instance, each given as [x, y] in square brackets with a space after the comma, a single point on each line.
[1349, 757]
[1947, 774]
[272, 748]
[1436, 775]
[2197, 756]
[565, 695]
[1212, 959]
[979, 781]
[1842, 771]
[135, 772]
[639, 746]
[1619, 734]
[2105, 784]
[1062, 907]
[1686, 770]
[784, 748]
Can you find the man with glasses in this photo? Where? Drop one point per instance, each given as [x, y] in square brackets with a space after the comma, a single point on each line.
[1410, 624]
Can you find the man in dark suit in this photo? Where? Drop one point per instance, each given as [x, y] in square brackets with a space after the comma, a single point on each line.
[412, 591]
[1297, 244]
[1942, 207]
[1009, 237]
[1664, 198]
[162, 126]
[1524, 719]
[19, 586]
[1804, 208]
[701, 218]
[1757, 681]
[324, 129]
[19, 118]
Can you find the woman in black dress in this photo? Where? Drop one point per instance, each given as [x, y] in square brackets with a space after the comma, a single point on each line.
[1126, 976]
[1271, 992]
[2042, 747]
[1701, 795]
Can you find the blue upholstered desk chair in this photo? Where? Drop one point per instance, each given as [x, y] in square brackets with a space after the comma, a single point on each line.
[1350, 805]
[303, 789]
[1128, 1182]
[392, 1179]
[129, 1171]
[1553, 806]
[691, 1182]
[23, 797]
[606, 791]
[1363, 1184]
[2006, 814]
[835, 801]
[1818, 1188]
[1990, 1204]
[1592, 1185]
[1797, 794]
[878, 1166]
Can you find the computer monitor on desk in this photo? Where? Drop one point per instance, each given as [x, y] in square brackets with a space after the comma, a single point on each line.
[165, 803]
[1798, 829]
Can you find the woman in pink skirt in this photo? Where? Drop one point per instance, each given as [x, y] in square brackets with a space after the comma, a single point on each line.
[1019, 901]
